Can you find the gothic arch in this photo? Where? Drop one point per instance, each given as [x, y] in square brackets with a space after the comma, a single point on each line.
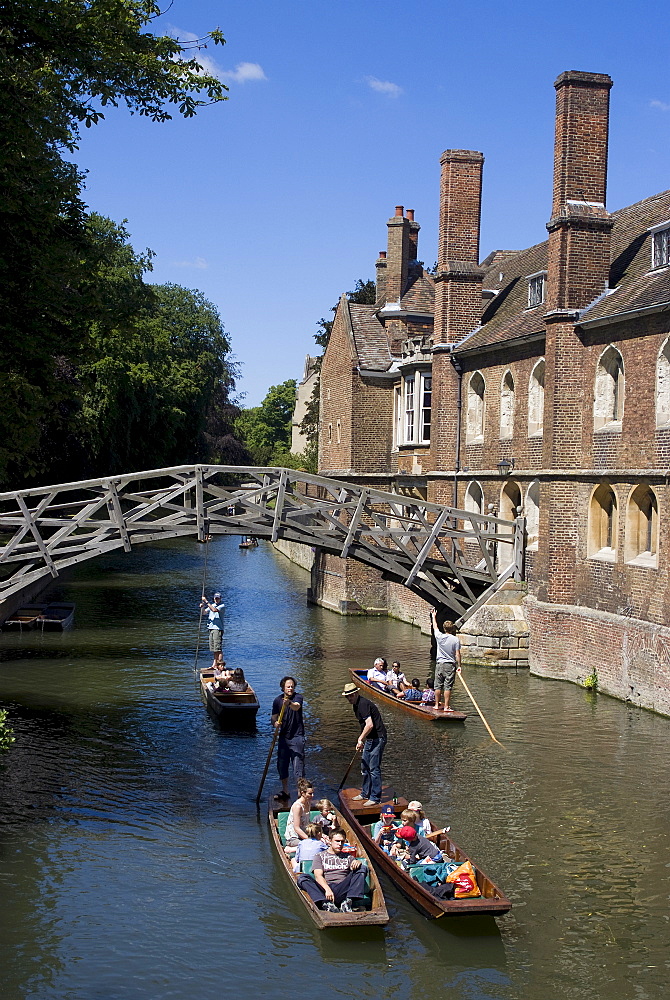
[608, 394]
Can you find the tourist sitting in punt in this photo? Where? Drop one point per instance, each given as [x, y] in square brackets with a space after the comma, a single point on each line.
[338, 878]
[236, 681]
[412, 849]
[413, 693]
[384, 830]
[423, 827]
[396, 682]
[308, 848]
[428, 696]
[377, 673]
[298, 817]
[327, 818]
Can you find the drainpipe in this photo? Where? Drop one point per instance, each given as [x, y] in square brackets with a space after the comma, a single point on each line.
[459, 409]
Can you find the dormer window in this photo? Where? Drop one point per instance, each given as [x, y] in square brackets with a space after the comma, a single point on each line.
[536, 283]
[660, 245]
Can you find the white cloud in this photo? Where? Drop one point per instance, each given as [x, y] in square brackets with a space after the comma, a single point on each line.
[383, 86]
[199, 263]
[244, 72]
[661, 105]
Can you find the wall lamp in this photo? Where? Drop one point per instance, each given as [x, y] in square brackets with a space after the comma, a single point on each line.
[505, 466]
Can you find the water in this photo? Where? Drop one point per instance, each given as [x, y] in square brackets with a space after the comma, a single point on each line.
[134, 865]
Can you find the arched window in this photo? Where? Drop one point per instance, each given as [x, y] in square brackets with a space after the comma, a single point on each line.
[609, 391]
[603, 523]
[475, 415]
[474, 502]
[642, 527]
[507, 406]
[663, 386]
[536, 400]
[510, 501]
[532, 509]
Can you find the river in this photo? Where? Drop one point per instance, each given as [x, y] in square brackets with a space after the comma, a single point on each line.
[134, 864]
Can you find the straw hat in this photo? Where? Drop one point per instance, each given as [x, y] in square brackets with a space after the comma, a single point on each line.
[349, 689]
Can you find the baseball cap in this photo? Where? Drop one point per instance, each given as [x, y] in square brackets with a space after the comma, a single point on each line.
[406, 833]
[388, 811]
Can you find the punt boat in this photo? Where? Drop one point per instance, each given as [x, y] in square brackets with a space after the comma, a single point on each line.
[56, 617]
[248, 543]
[491, 901]
[415, 708]
[234, 709]
[25, 618]
[375, 913]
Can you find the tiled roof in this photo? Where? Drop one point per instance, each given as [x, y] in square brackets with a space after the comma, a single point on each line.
[507, 316]
[420, 294]
[372, 345]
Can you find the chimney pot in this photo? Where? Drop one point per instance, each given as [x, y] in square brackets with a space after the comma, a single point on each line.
[410, 214]
[399, 211]
[382, 254]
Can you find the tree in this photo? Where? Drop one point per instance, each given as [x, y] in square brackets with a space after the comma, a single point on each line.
[63, 62]
[266, 429]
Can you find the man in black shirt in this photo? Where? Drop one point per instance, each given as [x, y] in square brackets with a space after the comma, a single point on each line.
[371, 741]
[291, 747]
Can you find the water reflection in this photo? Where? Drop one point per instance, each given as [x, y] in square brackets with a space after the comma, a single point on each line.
[131, 850]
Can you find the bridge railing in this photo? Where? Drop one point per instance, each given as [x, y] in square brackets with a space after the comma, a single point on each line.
[449, 556]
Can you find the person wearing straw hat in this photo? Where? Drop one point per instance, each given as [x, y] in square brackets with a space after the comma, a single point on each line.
[372, 742]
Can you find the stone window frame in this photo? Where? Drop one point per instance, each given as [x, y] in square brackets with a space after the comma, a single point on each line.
[471, 504]
[338, 431]
[330, 433]
[660, 245]
[603, 523]
[508, 510]
[537, 289]
[507, 431]
[532, 520]
[662, 388]
[642, 527]
[609, 390]
[536, 426]
[418, 415]
[474, 426]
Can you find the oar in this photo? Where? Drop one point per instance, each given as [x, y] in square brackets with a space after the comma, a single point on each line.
[481, 714]
[353, 760]
[272, 746]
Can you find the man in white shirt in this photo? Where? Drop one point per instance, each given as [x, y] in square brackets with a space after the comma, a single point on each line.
[395, 679]
[448, 658]
[377, 673]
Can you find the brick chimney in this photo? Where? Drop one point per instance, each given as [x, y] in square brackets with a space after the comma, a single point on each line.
[580, 226]
[403, 234]
[380, 268]
[458, 291]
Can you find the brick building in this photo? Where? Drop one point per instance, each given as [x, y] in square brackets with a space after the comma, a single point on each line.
[536, 379]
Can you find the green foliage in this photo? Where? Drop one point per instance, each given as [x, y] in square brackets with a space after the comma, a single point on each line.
[266, 429]
[591, 682]
[6, 732]
[62, 62]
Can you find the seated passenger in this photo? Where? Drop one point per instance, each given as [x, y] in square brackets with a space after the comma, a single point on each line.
[236, 681]
[308, 849]
[423, 828]
[337, 880]
[395, 679]
[413, 693]
[298, 817]
[412, 849]
[384, 830]
[327, 818]
[377, 673]
[428, 696]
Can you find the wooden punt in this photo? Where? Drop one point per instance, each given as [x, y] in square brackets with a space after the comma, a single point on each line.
[25, 618]
[56, 617]
[248, 543]
[234, 709]
[492, 899]
[359, 677]
[376, 916]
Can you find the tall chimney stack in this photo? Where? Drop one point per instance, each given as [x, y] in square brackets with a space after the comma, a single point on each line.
[403, 235]
[458, 293]
[580, 226]
[380, 268]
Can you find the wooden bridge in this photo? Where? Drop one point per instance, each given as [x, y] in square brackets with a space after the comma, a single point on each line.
[452, 558]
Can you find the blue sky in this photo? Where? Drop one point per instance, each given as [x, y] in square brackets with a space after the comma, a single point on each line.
[275, 202]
